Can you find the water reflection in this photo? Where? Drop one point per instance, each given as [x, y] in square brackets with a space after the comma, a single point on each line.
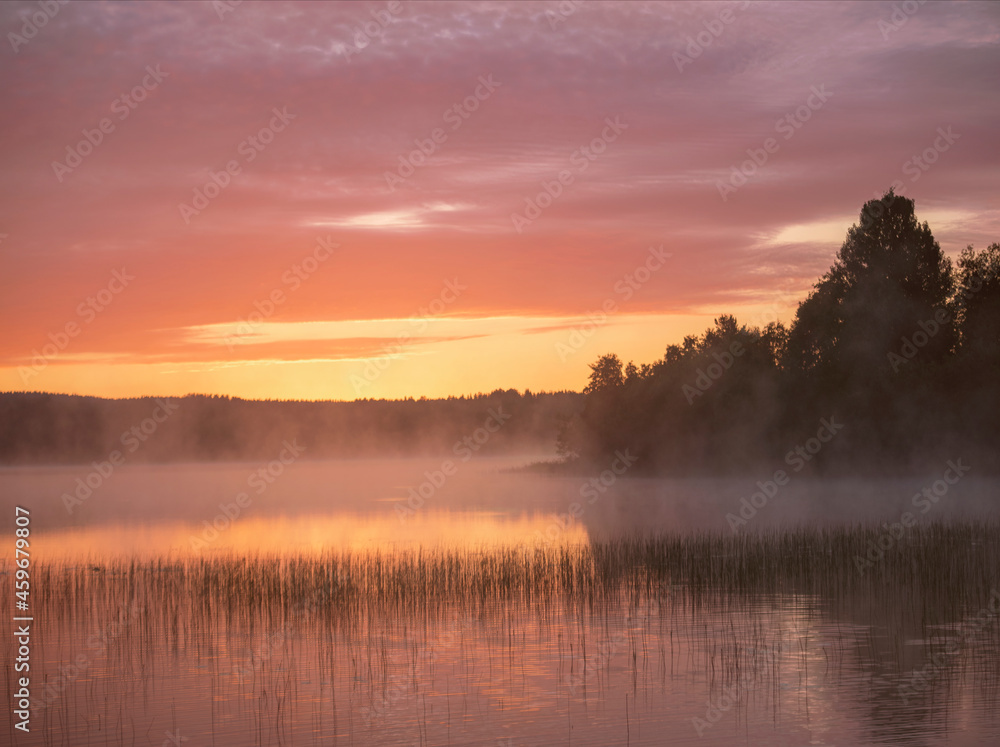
[306, 535]
[716, 670]
[494, 613]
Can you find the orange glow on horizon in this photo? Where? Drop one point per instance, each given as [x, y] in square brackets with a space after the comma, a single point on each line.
[180, 254]
[305, 536]
[451, 357]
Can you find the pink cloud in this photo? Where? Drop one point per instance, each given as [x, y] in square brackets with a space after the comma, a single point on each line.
[356, 114]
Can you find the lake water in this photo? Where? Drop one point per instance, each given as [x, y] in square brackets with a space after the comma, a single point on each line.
[150, 629]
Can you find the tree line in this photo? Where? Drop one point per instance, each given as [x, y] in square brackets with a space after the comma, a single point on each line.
[45, 428]
[896, 342]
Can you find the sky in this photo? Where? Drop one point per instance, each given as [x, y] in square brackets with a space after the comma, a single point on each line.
[404, 199]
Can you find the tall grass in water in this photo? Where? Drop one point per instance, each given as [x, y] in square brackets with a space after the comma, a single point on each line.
[367, 621]
[947, 566]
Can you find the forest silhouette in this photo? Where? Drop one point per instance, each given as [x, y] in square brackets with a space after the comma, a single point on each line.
[896, 346]
[37, 427]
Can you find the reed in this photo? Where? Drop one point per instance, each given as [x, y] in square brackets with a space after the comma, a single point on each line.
[742, 610]
[947, 566]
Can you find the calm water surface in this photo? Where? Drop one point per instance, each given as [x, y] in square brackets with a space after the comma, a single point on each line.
[126, 665]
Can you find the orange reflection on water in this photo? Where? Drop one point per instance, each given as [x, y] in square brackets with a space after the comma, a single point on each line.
[308, 535]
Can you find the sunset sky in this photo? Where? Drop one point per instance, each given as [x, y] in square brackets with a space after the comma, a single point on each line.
[336, 260]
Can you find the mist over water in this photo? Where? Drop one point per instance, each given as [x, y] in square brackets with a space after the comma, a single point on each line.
[342, 494]
[430, 374]
[301, 639]
[495, 490]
